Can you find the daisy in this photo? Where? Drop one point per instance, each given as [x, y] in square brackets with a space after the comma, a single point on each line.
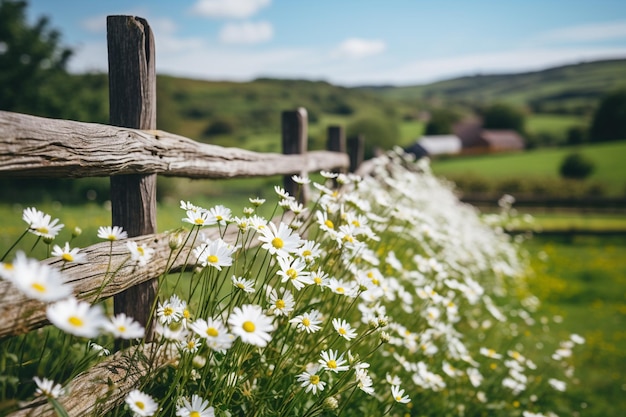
[76, 317]
[309, 251]
[48, 388]
[68, 254]
[340, 287]
[490, 353]
[557, 384]
[251, 325]
[320, 278]
[308, 321]
[214, 333]
[281, 241]
[310, 381]
[124, 327]
[111, 233]
[280, 305]
[38, 281]
[324, 222]
[292, 270]
[199, 218]
[220, 214]
[328, 174]
[215, 253]
[41, 224]
[197, 407]
[169, 312]
[302, 180]
[186, 205]
[364, 381]
[139, 253]
[141, 404]
[331, 362]
[398, 395]
[190, 345]
[256, 201]
[243, 284]
[344, 329]
[281, 192]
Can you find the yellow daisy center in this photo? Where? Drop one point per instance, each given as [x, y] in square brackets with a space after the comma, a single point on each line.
[329, 224]
[38, 287]
[121, 329]
[278, 243]
[340, 290]
[292, 273]
[194, 414]
[356, 223]
[314, 379]
[212, 259]
[75, 321]
[332, 364]
[42, 229]
[342, 330]
[248, 326]
[317, 280]
[111, 237]
[140, 250]
[306, 322]
[219, 218]
[212, 331]
[280, 304]
[67, 257]
[306, 253]
[199, 220]
[186, 314]
[168, 311]
[140, 405]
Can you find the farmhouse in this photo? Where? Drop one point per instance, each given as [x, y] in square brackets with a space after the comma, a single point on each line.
[475, 139]
[441, 144]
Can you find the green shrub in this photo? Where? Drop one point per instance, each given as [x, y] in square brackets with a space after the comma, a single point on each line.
[576, 166]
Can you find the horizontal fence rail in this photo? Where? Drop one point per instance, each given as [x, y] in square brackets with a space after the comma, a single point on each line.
[32, 146]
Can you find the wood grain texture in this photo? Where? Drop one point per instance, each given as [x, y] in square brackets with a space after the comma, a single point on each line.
[32, 146]
[104, 386]
[91, 281]
[132, 103]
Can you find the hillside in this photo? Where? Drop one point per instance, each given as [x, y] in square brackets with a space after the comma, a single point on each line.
[572, 89]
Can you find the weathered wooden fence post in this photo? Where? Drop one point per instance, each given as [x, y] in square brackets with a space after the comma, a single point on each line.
[132, 103]
[294, 133]
[336, 141]
[356, 151]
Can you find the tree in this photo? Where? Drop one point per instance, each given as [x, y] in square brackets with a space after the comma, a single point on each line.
[378, 132]
[441, 122]
[503, 116]
[576, 166]
[609, 120]
[32, 62]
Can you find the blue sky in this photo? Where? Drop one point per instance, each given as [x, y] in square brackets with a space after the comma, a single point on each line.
[349, 42]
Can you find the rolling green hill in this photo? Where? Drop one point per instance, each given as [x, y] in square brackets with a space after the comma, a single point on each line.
[570, 89]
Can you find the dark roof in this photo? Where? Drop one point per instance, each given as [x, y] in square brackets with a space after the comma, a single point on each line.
[469, 133]
[503, 139]
[417, 150]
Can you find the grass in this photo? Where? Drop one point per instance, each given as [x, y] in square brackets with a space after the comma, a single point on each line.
[610, 169]
[584, 282]
[554, 124]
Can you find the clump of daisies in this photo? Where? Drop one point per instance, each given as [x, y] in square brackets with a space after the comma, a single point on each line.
[385, 291]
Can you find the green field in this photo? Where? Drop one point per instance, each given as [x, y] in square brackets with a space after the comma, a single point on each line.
[554, 124]
[583, 281]
[541, 163]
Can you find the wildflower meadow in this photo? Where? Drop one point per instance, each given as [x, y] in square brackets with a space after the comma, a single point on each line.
[382, 296]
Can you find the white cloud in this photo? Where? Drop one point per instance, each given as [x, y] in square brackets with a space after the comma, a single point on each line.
[587, 33]
[238, 9]
[246, 33]
[358, 48]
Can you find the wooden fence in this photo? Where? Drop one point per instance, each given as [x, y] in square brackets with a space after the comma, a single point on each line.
[131, 152]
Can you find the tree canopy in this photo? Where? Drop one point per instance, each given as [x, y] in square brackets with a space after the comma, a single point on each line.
[609, 120]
